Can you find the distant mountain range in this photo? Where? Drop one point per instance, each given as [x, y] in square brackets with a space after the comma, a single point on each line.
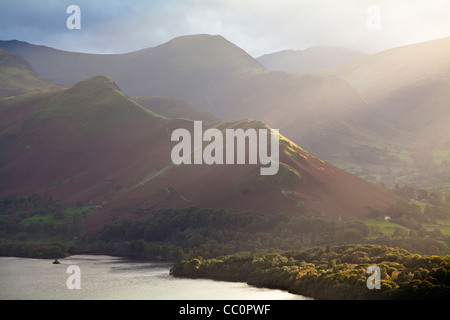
[383, 116]
[93, 143]
[214, 75]
[408, 89]
[191, 68]
[314, 58]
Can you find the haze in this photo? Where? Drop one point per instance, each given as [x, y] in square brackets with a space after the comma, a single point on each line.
[257, 26]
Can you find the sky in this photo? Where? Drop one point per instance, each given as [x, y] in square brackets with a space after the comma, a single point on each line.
[257, 26]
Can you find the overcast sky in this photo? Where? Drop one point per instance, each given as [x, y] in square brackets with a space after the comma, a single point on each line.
[257, 26]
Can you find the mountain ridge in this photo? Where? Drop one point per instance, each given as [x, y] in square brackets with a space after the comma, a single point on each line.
[17, 76]
[408, 88]
[310, 59]
[329, 112]
[92, 143]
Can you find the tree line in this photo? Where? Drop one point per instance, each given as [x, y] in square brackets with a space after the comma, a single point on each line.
[309, 255]
[39, 226]
[330, 272]
[173, 234]
[212, 232]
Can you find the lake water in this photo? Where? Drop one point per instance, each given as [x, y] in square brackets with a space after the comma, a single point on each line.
[112, 278]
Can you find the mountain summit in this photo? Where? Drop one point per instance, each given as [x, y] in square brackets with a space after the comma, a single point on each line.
[375, 116]
[187, 67]
[18, 77]
[92, 143]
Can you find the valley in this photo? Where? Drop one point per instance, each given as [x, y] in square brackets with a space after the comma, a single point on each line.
[344, 114]
[87, 145]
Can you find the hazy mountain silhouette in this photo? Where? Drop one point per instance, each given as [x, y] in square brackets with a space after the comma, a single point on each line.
[408, 88]
[313, 58]
[190, 68]
[18, 77]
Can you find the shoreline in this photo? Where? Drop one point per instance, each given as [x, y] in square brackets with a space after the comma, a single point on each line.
[105, 261]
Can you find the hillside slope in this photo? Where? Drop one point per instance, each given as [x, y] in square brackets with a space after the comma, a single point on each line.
[18, 77]
[175, 108]
[314, 58]
[166, 70]
[323, 114]
[92, 143]
[403, 84]
[408, 88]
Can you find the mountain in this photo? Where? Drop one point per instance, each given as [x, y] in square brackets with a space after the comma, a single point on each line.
[175, 108]
[94, 144]
[18, 77]
[190, 68]
[404, 84]
[314, 58]
[408, 88]
[206, 71]
[356, 116]
[214, 75]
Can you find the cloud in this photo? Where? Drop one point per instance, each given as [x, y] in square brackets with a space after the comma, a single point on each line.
[257, 26]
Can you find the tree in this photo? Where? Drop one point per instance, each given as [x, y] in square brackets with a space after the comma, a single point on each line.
[434, 250]
[422, 194]
[435, 198]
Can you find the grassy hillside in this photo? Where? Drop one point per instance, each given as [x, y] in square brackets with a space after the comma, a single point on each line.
[18, 77]
[370, 117]
[92, 143]
[317, 113]
[175, 108]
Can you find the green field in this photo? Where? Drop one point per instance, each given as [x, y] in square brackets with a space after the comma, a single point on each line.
[442, 225]
[440, 156]
[386, 227]
[36, 230]
[69, 213]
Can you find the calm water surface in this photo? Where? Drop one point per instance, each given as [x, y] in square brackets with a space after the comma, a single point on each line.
[105, 278]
